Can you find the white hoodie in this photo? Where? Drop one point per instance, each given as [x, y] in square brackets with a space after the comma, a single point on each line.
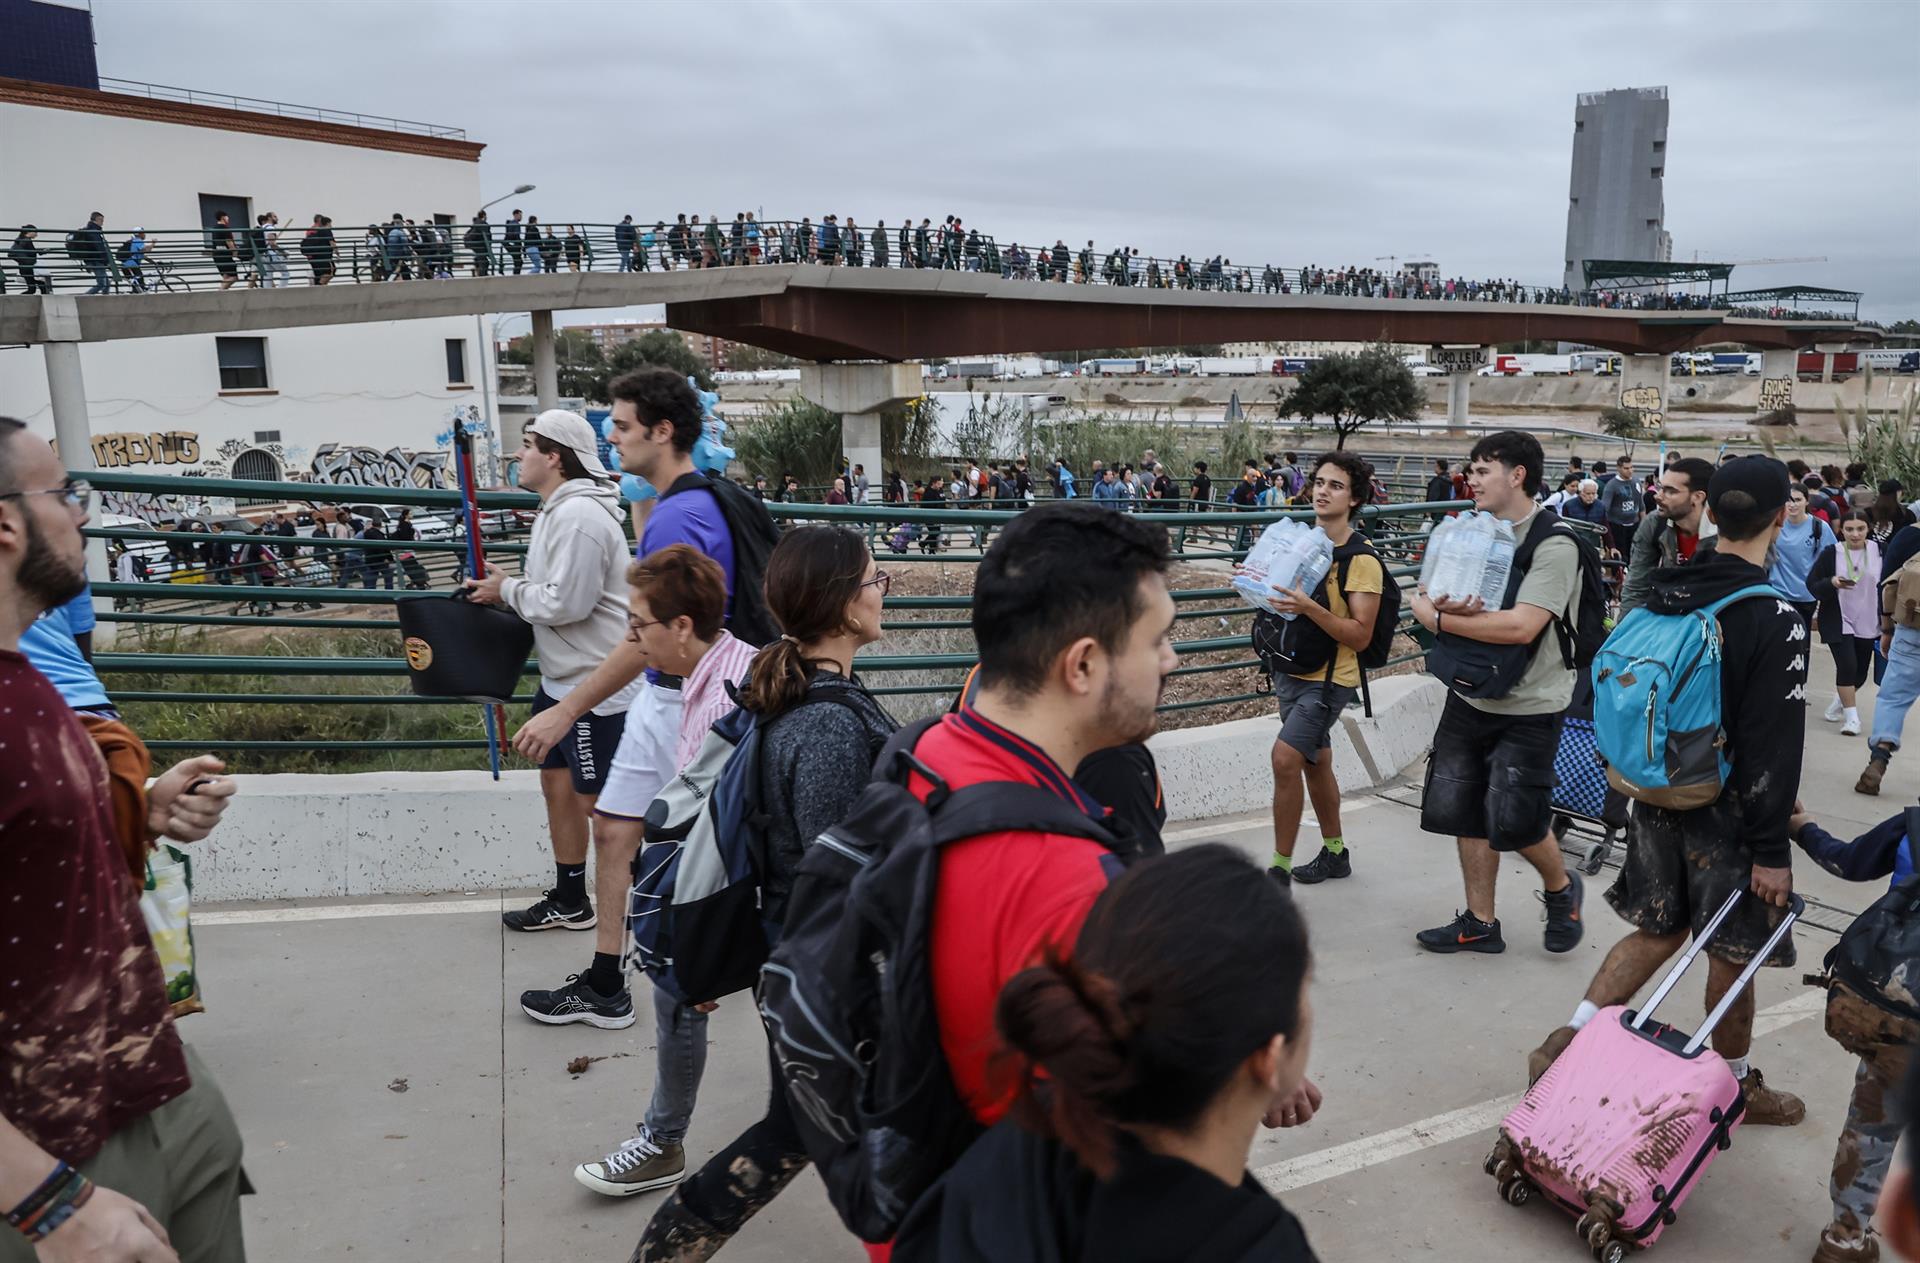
[575, 588]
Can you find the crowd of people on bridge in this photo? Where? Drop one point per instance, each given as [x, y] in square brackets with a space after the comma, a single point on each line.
[1113, 1022]
[431, 249]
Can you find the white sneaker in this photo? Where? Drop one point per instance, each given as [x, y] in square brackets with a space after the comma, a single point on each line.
[1852, 727]
[1835, 711]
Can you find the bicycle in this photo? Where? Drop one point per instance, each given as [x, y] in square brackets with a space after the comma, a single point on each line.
[162, 277]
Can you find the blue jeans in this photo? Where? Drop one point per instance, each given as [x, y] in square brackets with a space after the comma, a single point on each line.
[679, 1059]
[1899, 689]
[101, 283]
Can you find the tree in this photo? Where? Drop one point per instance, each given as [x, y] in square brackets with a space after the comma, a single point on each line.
[657, 348]
[1356, 390]
[579, 365]
[742, 358]
[796, 437]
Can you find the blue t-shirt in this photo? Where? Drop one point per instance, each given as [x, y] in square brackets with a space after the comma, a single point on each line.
[694, 518]
[1794, 553]
[50, 646]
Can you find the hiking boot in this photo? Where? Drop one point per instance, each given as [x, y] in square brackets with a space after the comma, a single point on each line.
[1869, 782]
[640, 1164]
[550, 914]
[1770, 1107]
[1324, 866]
[1845, 1245]
[1282, 876]
[1465, 933]
[1564, 927]
[1548, 1052]
[578, 1002]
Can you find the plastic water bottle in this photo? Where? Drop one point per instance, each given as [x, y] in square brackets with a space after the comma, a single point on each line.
[1436, 547]
[1461, 568]
[1316, 558]
[1446, 570]
[1254, 582]
[1500, 546]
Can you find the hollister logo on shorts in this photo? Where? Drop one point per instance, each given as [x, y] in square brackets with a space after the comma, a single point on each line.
[419, 653]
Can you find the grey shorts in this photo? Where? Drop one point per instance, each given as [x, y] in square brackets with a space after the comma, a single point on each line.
[1309, 709]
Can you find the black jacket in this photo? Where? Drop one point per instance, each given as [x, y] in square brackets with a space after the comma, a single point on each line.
[90, 245]
[1014, 1196]
[1763, 689]
[1829, 620]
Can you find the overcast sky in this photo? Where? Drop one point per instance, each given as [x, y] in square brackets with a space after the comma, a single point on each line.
[1322, 133]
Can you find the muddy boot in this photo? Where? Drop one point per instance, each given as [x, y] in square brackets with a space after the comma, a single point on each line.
[1547, 1053]
[1845, 1245]
[1869, 782]
[676, 1234]
[1770, 1107]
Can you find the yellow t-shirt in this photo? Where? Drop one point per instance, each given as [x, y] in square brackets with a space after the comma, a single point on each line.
[1364, 574]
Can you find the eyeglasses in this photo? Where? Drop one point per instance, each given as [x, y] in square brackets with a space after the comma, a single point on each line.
[73, 493]
[636, 625]
[883, 580]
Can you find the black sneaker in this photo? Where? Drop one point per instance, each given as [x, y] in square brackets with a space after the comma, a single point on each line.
[1465, 933]
[578, 1002]
[1282, 876]
[1564, 926]
[1324, 866]
[550, 914]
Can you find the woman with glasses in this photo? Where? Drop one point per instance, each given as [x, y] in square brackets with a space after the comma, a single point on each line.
[820, 732]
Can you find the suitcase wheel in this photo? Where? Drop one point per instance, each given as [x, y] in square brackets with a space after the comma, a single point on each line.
[1612, 1252]
[1596, 1231]
[1597, 855]
[1515, 1191]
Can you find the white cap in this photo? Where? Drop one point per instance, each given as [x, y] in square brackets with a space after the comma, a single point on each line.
[570, 430]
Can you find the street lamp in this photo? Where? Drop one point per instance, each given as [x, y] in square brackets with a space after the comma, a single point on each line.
[490, 373]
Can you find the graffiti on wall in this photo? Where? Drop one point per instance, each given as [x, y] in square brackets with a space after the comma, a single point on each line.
[1776, 393]
[1645, 400]
[173, 447]
[342, 465]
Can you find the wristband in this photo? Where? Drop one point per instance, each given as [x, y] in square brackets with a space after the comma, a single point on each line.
[49, 1206]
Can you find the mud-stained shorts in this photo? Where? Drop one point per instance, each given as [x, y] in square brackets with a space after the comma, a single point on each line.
[1680, 867]
[1491, 776]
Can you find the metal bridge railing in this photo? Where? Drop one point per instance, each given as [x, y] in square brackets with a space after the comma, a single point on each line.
[302, 250]
[201, 665]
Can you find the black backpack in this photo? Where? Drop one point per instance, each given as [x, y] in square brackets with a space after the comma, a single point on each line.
[1473, 668]
[1878, 956]
[754, 537]
[1298, 647]
[847, 995]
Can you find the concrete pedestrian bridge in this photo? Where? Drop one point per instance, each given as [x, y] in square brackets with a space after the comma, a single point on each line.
[839, 313]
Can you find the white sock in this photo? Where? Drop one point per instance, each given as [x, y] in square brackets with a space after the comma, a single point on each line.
[1583, 1014]
[1738, 1065]
[1853, 714]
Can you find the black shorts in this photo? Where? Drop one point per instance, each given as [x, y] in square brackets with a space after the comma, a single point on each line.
[1491, 776]
[1680, 867]
[588, 748]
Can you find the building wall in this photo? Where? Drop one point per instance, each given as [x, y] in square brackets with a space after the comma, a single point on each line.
[381, 388]
[1616, 205]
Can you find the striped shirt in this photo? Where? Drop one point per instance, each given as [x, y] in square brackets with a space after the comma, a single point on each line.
[705, 697]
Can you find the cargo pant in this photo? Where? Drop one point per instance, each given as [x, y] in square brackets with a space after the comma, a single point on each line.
[1874, 1116]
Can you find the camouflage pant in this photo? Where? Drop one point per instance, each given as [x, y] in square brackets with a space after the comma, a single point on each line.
[1874, 1116]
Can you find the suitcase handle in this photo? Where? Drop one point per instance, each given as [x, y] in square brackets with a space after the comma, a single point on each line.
[1795, 906]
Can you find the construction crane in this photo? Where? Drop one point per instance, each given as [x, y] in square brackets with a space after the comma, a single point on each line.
[1421, 256]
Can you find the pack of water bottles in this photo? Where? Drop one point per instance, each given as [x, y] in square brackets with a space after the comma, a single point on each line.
[1469, 555]
[1288, 555]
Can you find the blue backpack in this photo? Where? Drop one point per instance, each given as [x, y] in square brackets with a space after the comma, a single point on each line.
[1656, 704]
[694, 908]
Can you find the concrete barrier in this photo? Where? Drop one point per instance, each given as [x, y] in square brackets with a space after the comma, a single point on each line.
[389, 833]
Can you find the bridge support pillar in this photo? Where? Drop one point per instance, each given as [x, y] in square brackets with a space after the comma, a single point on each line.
[1779, 370]
[72, 426]
[1643, 387]
[546, 373]
[860, 393]
[1459, 389]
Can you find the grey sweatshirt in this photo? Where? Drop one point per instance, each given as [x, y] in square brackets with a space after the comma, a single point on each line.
[574, 591]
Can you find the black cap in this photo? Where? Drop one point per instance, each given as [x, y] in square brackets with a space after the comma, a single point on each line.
[1891, 487]
[1761, 477]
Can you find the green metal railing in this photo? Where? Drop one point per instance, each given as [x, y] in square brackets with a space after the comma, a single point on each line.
[147, 667]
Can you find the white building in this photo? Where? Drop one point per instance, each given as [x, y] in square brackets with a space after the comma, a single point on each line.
[366, 403]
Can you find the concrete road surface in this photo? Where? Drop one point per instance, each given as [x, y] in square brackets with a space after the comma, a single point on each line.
[397, 1105]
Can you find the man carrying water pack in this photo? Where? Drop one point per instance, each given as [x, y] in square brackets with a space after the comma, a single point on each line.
[1681, 865]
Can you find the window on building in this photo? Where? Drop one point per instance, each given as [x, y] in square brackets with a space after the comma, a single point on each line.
[456, 361]
[243, 363]
[238, 210]
[1653, 223]
[256, 466]
[1658, 172]
[1574, 200]
[1578, 126]
[1659, 146]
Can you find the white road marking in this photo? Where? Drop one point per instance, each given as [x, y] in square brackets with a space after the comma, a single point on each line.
[1222, 829]
[342, 912]
[1368, 1151]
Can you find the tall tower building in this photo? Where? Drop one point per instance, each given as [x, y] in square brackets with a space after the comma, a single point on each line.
[1616, 202]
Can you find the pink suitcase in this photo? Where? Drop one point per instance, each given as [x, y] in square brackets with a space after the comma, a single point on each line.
[1621, 1128]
